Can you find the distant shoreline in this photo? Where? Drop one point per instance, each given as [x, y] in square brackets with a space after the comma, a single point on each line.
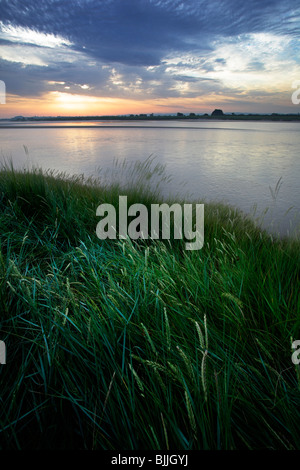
[114, 127]
[190, 117]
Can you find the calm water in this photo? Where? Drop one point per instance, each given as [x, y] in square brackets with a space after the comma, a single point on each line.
[235, 162]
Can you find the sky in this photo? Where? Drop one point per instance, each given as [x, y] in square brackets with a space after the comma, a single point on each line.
[116, 57]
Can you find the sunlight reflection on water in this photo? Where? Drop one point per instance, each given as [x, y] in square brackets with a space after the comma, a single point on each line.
[235, 162]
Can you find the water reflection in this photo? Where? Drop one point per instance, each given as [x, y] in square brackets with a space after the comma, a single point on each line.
[236, 162]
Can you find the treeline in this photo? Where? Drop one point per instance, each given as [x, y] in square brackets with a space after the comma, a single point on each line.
[178, 116]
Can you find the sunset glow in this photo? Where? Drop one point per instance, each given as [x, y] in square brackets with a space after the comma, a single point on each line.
[157, 57]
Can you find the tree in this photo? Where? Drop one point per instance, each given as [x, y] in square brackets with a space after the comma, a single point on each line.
[217, 112]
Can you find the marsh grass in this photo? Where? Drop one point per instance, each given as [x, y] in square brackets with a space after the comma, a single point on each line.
[140, 344]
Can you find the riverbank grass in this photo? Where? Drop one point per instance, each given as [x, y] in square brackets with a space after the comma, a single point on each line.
[122, 344]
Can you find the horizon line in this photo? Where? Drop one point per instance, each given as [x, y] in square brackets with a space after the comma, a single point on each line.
[147, 115]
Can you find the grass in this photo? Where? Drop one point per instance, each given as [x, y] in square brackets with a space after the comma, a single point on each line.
[120, 345]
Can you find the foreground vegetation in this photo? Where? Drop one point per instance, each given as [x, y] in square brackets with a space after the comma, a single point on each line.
[140, 344]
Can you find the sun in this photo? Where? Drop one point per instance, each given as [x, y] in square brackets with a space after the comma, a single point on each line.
[73, 102]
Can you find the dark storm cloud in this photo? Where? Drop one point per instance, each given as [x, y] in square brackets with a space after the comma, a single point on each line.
[34, 80]
[142, 32]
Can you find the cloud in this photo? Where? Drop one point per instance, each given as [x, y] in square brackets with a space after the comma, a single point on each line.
[22, 35]
[151, 49]
[142, 32]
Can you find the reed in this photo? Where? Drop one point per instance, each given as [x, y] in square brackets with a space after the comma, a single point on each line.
[122, 344]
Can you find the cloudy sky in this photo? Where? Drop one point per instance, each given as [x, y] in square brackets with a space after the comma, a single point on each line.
[96, 57]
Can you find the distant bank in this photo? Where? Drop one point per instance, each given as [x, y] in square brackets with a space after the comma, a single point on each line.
[217, 114]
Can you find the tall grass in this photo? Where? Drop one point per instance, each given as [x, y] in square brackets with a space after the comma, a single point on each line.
[140, 344]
